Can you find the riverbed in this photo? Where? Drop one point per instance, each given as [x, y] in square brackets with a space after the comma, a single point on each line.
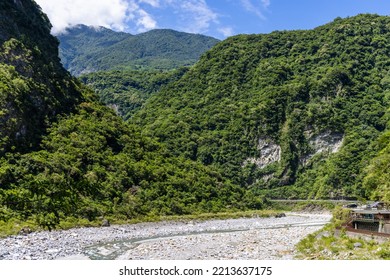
[244, 238]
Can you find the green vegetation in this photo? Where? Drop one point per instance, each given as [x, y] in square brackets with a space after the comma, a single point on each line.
[377, 173]
[309, 206]
[127, 91]
[300, 94]
[88, 49]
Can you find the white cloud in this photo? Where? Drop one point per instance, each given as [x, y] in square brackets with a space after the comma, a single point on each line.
[250, 7]
[65, 13]
[266, 3]
[226, 31]
[145, 21]
[115, 14]
[153, 3]
[193, 16]
[196, 15]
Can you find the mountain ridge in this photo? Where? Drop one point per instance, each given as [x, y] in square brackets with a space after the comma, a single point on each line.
[162, 49]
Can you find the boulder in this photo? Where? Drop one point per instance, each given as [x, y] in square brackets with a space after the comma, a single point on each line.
[280, 215]
[25, 231]
[105, 223]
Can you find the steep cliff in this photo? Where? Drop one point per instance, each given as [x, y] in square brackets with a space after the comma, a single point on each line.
[34, 88]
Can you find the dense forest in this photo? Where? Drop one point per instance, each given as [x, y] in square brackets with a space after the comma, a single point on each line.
[297, 114]
[126, 91]
[85, 49]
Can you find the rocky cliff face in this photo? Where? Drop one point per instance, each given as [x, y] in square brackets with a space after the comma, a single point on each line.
[34, 88]
[324, 143]
[269, 153]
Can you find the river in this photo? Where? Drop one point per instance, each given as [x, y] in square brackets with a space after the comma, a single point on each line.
[244, 238]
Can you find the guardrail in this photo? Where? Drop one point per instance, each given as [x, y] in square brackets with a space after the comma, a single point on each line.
[365, 220]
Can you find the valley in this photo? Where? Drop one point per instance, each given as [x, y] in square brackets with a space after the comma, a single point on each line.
[166, 123]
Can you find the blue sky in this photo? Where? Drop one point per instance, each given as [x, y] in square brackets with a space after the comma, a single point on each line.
[217, 18]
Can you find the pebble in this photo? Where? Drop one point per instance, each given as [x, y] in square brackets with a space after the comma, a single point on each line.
[244, 238]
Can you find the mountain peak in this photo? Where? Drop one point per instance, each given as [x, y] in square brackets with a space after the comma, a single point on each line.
[86, 49]
[88, 30]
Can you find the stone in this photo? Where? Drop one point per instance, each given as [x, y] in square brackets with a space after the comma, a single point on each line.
[328, 142]
[53, 251]
[105, 223]
[74, 257]
[270, 153]
[280, 215]
[25, 231]
[357, 245]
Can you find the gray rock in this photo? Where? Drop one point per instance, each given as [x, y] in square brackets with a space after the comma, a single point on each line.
[280, 215]
[357, 245]
[74, 257]
[270, 152]
[105, 223]
[25, 231]
[323, 234]
[53, 251]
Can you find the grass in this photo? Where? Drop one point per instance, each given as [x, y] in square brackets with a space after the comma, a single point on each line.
[14, 226]
[342, 247]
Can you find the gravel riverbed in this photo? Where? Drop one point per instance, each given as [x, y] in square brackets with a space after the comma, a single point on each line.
[244, 238]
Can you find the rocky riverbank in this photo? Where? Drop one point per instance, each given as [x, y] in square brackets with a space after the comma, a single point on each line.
[245, 238]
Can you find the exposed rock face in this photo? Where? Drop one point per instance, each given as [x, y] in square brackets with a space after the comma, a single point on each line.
[269, 153]
[326, 142]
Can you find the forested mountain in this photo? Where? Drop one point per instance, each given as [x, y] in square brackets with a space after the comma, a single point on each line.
[127, 90]
[292, 114]
[67, 158]
[86, 49]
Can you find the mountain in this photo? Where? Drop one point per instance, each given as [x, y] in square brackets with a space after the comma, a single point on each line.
[68, 160]
[86, 49]
[299, 114]
[291, 114]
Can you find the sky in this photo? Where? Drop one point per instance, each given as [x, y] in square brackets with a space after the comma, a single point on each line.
[217, 18]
